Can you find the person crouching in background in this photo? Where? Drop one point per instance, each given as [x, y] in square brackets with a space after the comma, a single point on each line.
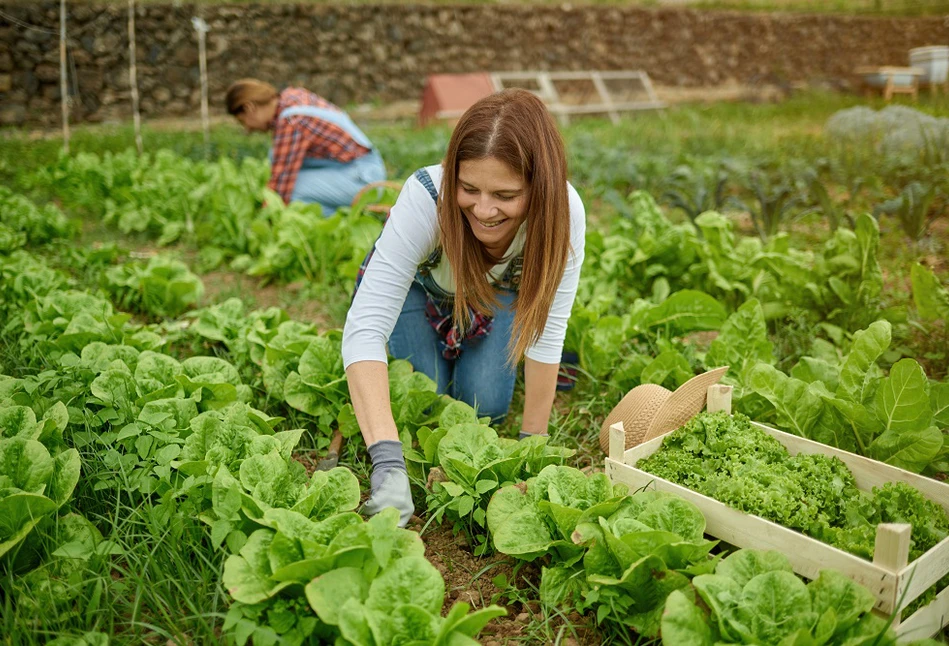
[319, 155]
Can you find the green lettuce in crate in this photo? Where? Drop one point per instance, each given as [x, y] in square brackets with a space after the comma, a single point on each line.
[617, 555]
[754, 597]
[727, 458]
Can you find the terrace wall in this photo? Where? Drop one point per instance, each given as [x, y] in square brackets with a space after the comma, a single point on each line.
[381, 53]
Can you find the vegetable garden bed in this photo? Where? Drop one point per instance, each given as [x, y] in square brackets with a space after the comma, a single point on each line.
[895, 582]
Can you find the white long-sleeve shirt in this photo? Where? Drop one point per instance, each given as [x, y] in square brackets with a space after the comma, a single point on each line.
[411, 234]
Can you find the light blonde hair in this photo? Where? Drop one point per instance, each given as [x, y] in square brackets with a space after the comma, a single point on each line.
[244, 91]
[514, 127]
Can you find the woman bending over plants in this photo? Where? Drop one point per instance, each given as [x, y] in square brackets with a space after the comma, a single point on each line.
[319, 155]
[476, 269]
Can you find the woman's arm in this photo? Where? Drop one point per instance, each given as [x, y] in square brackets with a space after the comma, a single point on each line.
[540, 387]
[369, 389]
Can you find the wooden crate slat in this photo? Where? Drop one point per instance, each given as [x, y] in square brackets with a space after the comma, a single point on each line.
[926, 621]
[809, 556]
[891, 552]
[924, 572]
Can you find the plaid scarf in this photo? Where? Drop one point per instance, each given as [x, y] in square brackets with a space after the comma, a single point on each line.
[440, 318]
[451, 336]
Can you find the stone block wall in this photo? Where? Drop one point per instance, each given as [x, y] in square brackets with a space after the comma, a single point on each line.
[366, 53]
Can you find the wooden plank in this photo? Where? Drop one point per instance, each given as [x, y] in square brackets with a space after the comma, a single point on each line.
[550, 96]
[891, 548]
[617, 441]
[605, 97]
[592, 109]
[923, 573]
[647, 85]
[867, 473]
[927, 621]
[807, 555]
[642, 451]
[719, 398]
[891, 552]
[580, 75]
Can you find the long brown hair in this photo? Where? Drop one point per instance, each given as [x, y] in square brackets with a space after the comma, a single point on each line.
[514, 127]
[244, 91]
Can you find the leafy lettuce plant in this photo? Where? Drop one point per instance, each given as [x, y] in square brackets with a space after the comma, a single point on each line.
[162, 288]
[894, 418]
[230, 324]
[931, 298]
[30, 224]
[468, 463]
[366, 583]
[618, 555]
[294, 241]
[71, 556]
[34, 484]
[65, 321]
[271, 480]
[754, 597]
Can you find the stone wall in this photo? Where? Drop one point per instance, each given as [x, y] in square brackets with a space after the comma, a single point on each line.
[365, 53]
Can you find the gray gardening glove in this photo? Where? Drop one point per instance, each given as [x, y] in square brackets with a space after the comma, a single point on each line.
[524, 434]
[389, 481]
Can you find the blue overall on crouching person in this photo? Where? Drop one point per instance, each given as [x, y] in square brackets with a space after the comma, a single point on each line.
[328, 182]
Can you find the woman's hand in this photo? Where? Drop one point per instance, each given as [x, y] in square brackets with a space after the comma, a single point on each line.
[369, 389]
[389, 481]
[390, 488]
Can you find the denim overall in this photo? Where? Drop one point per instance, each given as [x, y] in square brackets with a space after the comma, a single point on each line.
[328, 182]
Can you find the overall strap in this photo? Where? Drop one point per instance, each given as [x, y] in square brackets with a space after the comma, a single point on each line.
[336, 117]
[436, 256]
[422, 175]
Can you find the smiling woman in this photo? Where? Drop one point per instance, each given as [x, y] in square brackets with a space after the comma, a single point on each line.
[476, 269]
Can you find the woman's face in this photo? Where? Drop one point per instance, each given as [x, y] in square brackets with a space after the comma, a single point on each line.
[493, 198]
[254, 118]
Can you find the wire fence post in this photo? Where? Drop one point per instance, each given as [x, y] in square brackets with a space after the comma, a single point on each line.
[63, 87]
[133, 79]
[202, 28]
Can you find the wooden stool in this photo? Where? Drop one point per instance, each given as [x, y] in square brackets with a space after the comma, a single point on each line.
[884, 79]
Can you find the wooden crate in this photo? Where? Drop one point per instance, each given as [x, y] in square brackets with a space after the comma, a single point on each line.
[893, 581]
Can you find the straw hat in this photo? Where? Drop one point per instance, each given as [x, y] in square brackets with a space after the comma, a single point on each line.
[648, 411]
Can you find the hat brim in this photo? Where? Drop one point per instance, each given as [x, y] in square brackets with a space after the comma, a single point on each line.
[686, 402]
[639, 405]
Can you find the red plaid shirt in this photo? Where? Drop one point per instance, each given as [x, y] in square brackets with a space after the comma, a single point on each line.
[300, 136]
